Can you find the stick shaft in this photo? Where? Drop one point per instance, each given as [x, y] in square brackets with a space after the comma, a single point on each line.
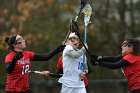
[82, 6]
[39, 72]
[54, 74]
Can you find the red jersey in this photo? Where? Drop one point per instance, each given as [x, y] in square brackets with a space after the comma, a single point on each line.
[132, 71]
[17, 81]
[60, 66]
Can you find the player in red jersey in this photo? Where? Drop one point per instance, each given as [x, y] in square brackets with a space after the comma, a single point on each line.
[18, 63]
[129, 61]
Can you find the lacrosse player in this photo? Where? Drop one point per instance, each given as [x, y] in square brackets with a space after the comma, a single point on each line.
[18, 63]
[60, 71]
[72, 67]
[129, 61]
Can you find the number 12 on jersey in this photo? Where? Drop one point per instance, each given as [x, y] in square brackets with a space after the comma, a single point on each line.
[25, 69]
[80, 65]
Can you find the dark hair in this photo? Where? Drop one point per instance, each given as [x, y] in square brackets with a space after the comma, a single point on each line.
[135, 43]
[10, 41]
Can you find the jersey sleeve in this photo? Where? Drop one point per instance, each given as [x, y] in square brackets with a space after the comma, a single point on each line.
[60, 64]
[67, 50]
[130, 58]
[8, 58]
[31, 55]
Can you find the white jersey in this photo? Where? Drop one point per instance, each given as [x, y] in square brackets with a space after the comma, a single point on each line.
[72, 67]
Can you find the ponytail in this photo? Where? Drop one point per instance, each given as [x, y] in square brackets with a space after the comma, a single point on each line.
[6, 39]
[10, 41]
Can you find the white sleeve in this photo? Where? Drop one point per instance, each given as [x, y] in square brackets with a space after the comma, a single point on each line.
[72, 52]
[76, 54]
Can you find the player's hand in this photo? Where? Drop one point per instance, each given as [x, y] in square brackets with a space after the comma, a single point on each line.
[95, 60]
[82, 75]
[45, 73]
[18, 55]
[85, 46]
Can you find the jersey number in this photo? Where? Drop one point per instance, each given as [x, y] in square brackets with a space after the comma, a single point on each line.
[25, 69]
[80, 65]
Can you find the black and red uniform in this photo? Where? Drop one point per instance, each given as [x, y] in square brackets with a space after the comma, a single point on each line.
[130, 65]
[132, 72]
[17, 69]
[17, 81]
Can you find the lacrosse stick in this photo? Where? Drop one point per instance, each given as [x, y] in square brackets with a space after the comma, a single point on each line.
[87, 11]
[50, 74]
[83, 3]
[75, 29]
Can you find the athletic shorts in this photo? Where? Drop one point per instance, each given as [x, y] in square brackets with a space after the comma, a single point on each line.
[28, 91]
[66, 89]
[135, 91]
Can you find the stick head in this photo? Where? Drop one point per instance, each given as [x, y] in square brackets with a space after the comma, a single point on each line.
[87, 11]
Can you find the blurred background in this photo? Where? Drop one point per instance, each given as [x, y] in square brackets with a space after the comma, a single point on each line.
[44, 25]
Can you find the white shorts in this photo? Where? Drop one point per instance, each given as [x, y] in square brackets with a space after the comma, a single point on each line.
[66, 89]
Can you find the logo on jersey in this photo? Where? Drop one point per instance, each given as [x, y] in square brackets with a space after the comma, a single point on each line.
[23, 61]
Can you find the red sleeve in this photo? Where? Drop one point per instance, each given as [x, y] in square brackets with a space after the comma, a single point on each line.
[29, 54]
[8, 58]
[59, 63]
[130, 58]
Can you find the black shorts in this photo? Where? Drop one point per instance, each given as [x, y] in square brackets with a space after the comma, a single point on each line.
[135, 91]
[28, 91]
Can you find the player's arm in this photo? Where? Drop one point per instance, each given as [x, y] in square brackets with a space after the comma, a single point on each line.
[76, 53]
[11, 65]
[110, 58]
[115, 65]
[48, 56]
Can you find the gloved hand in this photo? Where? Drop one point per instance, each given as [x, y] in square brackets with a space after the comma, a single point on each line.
[18, 55]
[95, 60]
[61, 48]
[74, 28]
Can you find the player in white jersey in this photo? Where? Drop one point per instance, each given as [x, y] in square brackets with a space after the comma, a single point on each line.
[72, 67]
